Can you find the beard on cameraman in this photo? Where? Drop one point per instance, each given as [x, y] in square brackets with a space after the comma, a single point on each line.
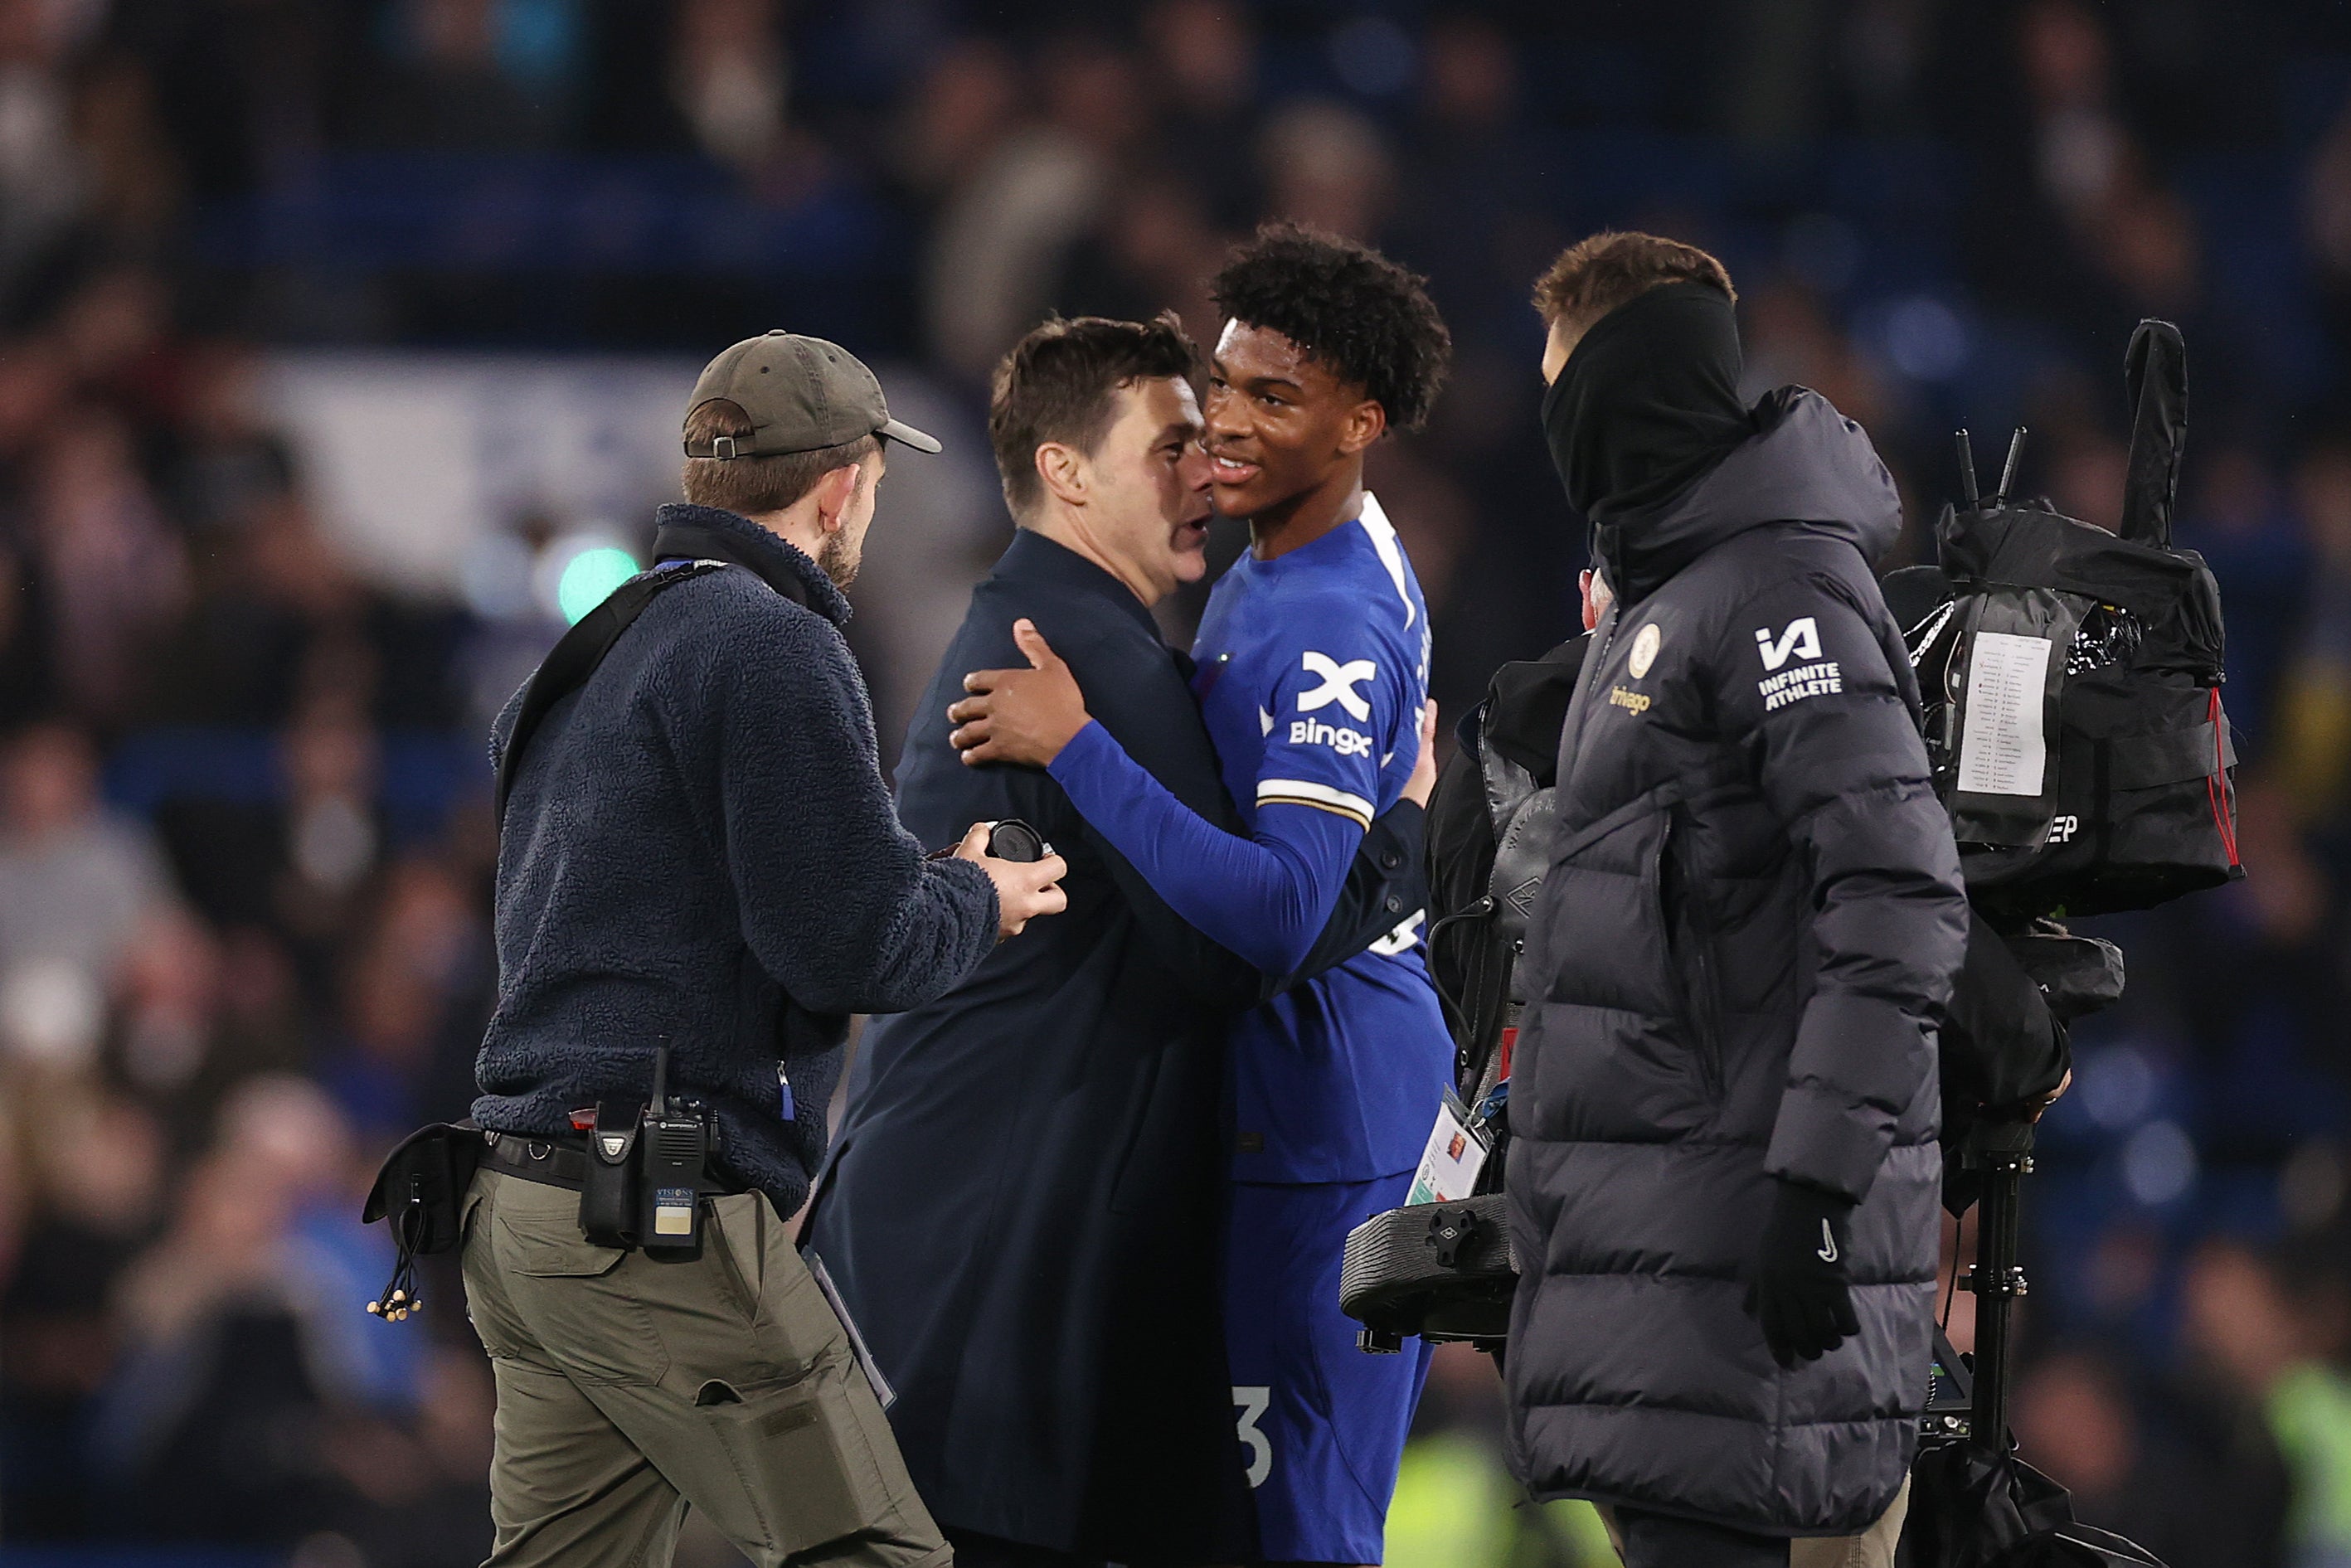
[1724, 1173]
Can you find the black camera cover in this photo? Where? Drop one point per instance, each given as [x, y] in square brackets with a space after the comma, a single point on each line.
[2072, 678]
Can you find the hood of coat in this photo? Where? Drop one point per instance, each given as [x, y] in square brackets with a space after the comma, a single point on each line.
[1806, 463]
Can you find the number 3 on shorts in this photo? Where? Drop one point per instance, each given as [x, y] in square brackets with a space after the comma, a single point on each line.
[1253, 1403]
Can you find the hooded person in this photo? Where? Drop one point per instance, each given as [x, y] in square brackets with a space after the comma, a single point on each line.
[1723, 1176]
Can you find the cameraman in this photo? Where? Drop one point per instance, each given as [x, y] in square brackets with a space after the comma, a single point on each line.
[698, 849]
[1723, 1173]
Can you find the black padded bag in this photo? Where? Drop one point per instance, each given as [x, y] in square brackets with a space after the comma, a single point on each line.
[421, 1187]
[421, 1190]
[2103, 777]
[1488, 846]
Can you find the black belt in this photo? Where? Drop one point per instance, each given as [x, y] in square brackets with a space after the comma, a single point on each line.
[558, 1162]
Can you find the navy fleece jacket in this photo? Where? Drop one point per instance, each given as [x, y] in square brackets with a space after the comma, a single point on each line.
[699, 847]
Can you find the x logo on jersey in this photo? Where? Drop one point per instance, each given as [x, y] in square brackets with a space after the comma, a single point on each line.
[1338, 683]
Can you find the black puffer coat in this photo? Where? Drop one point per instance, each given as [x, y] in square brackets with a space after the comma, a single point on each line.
[1740, 953]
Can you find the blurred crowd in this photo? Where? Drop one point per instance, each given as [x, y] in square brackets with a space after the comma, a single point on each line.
[244, 849]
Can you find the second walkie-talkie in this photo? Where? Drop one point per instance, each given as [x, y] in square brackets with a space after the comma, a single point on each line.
[672, 1148]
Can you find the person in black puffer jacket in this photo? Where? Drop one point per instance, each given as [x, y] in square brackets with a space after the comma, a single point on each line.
[1724, 1175]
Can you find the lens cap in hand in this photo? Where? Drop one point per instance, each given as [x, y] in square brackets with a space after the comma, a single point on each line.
[1014, 839]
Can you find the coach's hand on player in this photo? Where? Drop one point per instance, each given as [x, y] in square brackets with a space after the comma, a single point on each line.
[1020, 716]
[1423, 783]
[1024, 889]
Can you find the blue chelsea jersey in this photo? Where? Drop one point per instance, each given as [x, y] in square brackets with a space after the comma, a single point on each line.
[1312, 671]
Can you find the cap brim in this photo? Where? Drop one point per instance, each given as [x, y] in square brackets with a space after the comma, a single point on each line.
[905, 434]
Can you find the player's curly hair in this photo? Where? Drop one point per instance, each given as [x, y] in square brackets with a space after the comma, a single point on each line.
[1363, 315]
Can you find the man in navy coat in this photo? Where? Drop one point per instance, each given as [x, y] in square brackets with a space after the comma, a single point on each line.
[1023, 1210]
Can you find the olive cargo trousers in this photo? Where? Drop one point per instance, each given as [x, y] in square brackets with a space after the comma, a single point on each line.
[628, 1389]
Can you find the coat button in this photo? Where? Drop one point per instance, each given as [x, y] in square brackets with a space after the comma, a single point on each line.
[1391, 860]
[1396, 905]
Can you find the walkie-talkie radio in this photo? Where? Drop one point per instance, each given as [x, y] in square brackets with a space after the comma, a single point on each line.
[673, 1146]
[643, 1183]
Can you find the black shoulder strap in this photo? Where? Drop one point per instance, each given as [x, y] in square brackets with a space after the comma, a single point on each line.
[572, 660]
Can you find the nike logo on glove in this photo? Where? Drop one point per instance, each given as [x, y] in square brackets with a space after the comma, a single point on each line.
[1828, 1252]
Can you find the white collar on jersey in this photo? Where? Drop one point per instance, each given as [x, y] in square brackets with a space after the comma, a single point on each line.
[1383, 539]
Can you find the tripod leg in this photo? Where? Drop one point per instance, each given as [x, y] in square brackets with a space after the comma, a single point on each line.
[2005, 1159]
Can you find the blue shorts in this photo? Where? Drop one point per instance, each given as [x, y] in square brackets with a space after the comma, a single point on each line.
[1321, 1424]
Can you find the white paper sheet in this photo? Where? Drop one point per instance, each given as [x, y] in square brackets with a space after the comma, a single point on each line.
[2002, 750]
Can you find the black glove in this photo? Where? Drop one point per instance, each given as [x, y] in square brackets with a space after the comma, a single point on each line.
[1801, 1293]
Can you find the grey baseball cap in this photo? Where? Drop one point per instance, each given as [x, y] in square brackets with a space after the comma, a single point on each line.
[802, 395]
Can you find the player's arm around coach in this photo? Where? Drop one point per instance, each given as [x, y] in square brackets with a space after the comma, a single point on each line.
[698, 849]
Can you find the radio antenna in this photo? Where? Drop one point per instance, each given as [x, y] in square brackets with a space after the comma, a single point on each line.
[2008, 469]
[1968, 471]
[660, 1106]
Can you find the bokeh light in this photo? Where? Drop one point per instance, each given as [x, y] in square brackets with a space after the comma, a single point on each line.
[589, 577]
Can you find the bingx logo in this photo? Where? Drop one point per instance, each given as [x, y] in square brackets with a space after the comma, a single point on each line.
[1338, 683]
